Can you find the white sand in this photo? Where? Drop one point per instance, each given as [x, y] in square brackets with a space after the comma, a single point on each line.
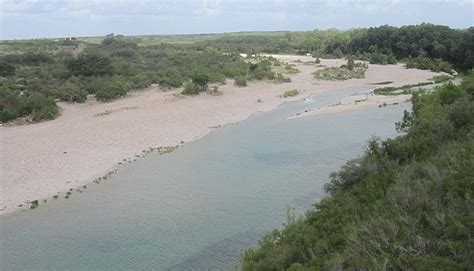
[40, 160]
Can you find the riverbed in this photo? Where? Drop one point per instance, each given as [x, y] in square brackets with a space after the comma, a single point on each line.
[201, 205]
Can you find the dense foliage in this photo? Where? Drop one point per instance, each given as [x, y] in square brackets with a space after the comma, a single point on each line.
[384, 44]
[407, 204]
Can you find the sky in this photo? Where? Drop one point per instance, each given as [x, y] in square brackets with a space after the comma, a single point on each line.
[21, 19]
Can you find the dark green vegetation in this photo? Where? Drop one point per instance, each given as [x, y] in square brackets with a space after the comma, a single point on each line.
[406, 204]
[33, 74]
[384, 44]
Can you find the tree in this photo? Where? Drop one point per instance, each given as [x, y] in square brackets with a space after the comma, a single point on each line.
[190, 89]
[350, 63]
[6, 69]
[201, 80]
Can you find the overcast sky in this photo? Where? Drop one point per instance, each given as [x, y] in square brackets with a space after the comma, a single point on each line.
[55, 18]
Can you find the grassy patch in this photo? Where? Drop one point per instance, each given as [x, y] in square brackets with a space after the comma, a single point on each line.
[440, 78]
[214, 91]
[405, 89]
[165, 150]
[291, 93]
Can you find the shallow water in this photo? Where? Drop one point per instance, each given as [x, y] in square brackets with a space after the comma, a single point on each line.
[198, 207]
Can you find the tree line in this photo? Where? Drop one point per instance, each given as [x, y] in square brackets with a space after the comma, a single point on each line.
[36, 73]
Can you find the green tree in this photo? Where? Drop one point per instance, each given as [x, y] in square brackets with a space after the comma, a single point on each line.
[190, 89]
[6, 69]
[200, 80]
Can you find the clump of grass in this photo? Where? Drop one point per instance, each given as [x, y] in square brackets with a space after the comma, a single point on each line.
[55, 197]
[291, 93]
[291, 68]
[280, 78]
[34, 204]
[385, 91]
[405, 89]
[214, 91]
[441, 78]
[165, 150]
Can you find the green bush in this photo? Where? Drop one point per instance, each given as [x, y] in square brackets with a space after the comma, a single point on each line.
[240, 81]
[290, 93]
[71, 92]
[116, 87]
[450, 93]
[190, 89]
[200, 80]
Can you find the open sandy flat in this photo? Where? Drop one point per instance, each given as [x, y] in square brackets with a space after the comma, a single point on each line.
[88, 140]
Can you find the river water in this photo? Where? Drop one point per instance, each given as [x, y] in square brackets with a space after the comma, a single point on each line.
[198, 207]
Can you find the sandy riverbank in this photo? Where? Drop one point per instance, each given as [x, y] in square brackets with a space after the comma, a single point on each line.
[355, 102]
[88, 140]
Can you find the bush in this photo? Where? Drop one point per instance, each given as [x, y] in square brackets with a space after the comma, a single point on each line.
[291, 93]
[90, 65]
[450, 93]
[6, 69]
[71, 92]
[190, 89]
[240, 81]
[116, 87]
[468, 83]
[200, 80]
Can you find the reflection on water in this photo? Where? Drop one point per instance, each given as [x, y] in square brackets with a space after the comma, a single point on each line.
[198, 207]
